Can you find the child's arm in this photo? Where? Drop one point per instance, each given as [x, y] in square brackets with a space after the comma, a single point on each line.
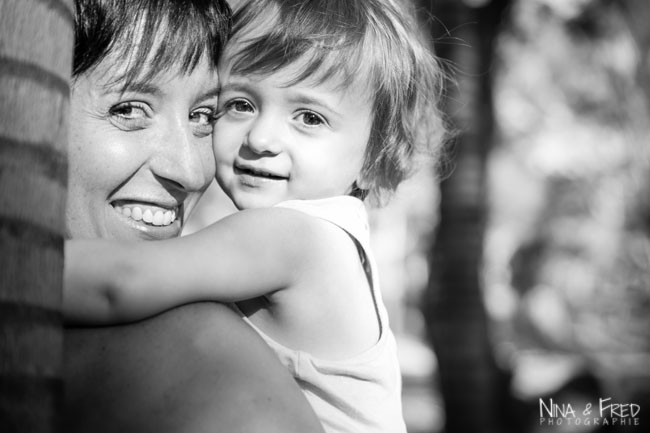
[246, 255]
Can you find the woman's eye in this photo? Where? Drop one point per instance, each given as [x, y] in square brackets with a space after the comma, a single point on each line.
[309, 118]
[129, 115]
[202, 120]
[202, 115]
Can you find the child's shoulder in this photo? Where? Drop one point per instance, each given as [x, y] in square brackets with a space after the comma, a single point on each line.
[324, 225]
[346, 212]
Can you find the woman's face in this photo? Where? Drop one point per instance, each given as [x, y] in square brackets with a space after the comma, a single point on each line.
[139, 157]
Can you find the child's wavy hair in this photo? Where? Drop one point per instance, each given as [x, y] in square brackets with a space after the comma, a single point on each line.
[378, 43]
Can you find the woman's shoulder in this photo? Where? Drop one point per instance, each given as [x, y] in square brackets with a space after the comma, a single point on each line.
[200, 359]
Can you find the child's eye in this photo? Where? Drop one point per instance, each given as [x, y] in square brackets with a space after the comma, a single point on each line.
[309, 118]
[202, 120]
[240, 106]
[130, 115]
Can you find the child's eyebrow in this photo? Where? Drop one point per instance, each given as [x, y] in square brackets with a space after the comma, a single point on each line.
[235, 85]
[300, 98]
[295, 96]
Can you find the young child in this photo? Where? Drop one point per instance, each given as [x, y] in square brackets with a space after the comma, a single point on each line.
[322, 103]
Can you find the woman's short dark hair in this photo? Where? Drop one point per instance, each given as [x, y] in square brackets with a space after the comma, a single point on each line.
[150, 35]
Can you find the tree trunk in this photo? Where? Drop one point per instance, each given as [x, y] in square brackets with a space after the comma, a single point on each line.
[637, 15]
[35, 63]
[454, 309]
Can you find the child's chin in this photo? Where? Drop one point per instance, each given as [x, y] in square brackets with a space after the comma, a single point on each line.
[253, 202]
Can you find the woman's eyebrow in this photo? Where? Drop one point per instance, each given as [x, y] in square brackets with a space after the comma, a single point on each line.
[142, 87]
[210, 93]
[118, 86]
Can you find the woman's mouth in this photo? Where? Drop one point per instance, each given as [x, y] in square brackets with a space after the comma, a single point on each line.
[151, 215]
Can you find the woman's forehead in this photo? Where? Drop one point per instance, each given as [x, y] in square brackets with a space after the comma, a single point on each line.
[147, 54]
[122, 67]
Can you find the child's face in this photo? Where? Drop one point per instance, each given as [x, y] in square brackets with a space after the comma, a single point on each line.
[275, 142]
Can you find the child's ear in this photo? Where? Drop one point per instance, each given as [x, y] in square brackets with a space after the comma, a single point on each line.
[360, 189]
[361, 183]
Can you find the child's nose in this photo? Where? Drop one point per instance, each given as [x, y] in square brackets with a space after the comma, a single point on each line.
[265, 135]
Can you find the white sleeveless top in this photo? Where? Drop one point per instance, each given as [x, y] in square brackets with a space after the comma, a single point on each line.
[361, 394]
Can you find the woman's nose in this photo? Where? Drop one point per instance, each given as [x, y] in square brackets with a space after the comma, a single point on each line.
[265, 135]
[184, 160]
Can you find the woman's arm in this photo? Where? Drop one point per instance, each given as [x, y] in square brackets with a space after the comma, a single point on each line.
[246, 255]
[194, 369]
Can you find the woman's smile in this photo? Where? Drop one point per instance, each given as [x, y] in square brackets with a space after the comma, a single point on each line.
[149, 214]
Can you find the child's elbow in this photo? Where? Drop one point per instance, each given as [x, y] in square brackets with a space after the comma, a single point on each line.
[90, 311]
[94, 306]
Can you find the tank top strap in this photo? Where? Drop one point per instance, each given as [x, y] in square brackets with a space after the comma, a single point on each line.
[350, 214]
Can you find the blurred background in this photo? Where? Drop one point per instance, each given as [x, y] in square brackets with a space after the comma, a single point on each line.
[521, 270]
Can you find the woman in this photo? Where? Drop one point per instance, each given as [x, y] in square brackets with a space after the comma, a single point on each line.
[143, 99]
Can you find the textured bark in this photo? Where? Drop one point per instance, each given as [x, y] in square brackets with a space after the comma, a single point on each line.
[35, 63]
[456, 316]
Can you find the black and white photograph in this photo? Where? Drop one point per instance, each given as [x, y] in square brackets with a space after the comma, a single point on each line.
[324, 216]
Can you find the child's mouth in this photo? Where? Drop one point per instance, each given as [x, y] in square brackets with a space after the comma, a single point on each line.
[256, 172]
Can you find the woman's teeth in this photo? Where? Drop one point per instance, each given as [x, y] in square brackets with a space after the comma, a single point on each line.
[153, 217]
